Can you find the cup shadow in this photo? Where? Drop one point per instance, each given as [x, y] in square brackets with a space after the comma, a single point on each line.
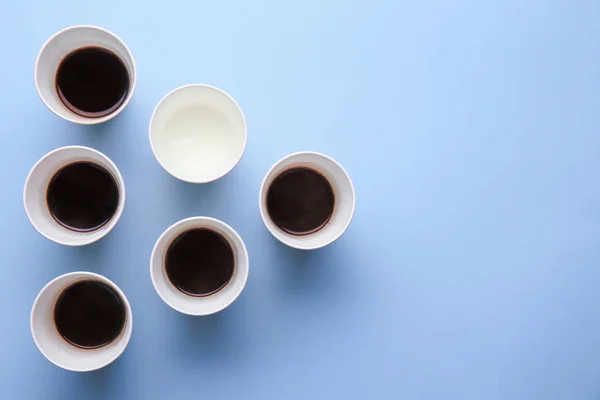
[107, 137]
[305, 275]
[100, 383]
[98, 134]
[105, 128]
[206, 340]
[91, 257]
[196, 199]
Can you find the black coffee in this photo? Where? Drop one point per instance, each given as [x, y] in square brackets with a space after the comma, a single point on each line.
[92, 81]
[199, 262]
[82, 196]
[300, 201]
[89, 314]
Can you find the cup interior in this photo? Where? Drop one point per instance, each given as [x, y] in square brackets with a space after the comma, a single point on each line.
[207, 304]
[344, 199]
[36, 186]
[198, 133]
[54, 347]
[58, 47]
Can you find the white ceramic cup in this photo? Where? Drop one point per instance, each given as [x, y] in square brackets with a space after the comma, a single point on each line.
[62, 44]
[52, 345]
[207, 304]
[345, 199]
[198, 133]
[36, 186]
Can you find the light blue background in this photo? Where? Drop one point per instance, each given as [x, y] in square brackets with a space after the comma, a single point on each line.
[471, 131]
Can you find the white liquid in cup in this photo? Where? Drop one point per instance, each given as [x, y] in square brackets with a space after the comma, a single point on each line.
[198, 133]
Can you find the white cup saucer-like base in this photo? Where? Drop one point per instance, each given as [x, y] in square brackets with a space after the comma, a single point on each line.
[197, 133]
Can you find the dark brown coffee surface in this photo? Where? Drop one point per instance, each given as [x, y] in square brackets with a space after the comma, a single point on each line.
[92, 81]
[199, 262]
[89, 314]
[300, 201]
[82, 196]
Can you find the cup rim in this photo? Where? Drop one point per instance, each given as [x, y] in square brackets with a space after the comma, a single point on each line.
[244, 277]
[88, 120]
[127, 328]
[265, 215]
[206, 86]
[115, 217]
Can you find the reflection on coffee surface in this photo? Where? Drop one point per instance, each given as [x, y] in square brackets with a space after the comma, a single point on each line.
[300, 201]
[200, 262]
[92, 82]
[89, 314]
[82, 196]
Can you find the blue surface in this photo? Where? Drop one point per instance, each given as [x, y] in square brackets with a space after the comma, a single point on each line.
[472, 133]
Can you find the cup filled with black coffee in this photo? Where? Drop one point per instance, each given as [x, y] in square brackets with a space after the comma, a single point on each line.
[74, 195]
[307, 200]
[85, 74]
[81, 321]
[199, 266]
